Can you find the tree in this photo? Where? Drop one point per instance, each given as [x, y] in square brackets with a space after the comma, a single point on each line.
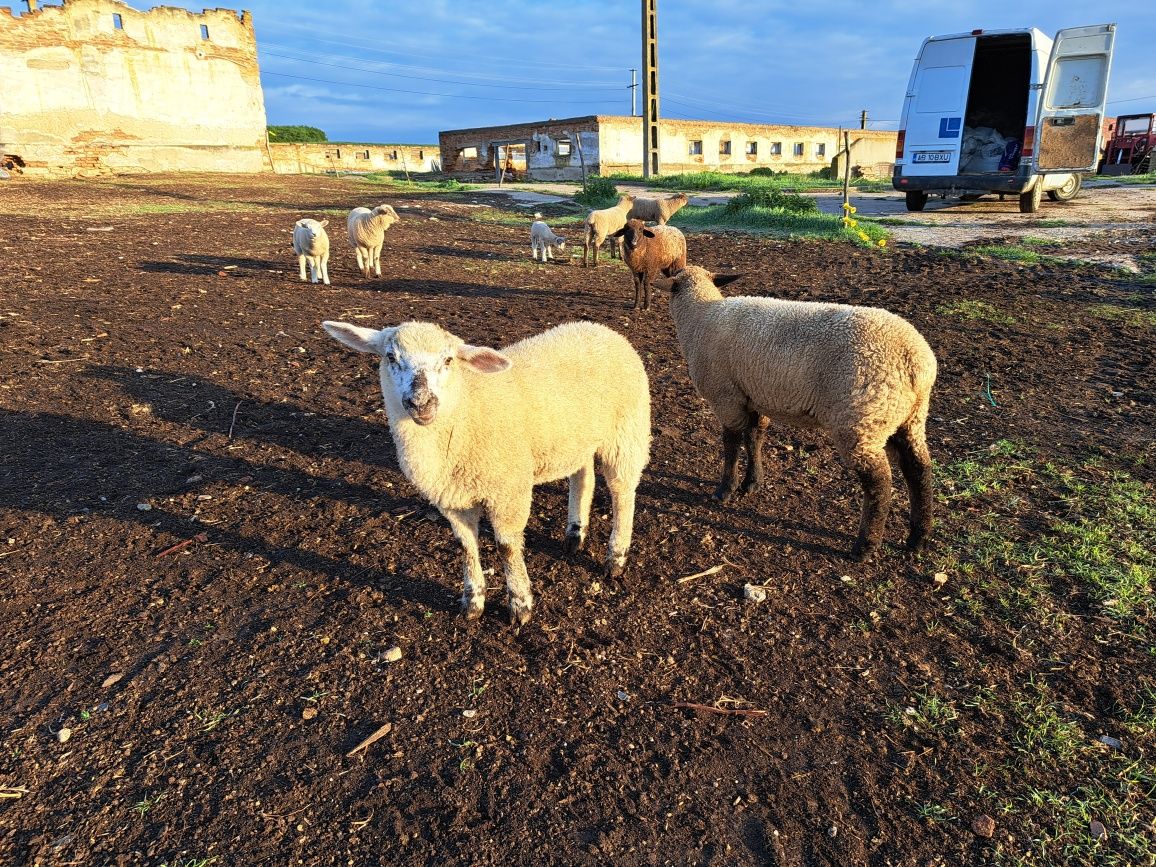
[282, 134]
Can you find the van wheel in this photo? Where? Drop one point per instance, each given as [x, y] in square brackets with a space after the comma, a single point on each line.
[916, 199]
[1030, 201]
[1068, 191]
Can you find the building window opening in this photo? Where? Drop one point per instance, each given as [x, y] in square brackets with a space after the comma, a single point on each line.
[724, 148]
[470, 153]
[339, 153]
[564, 147]
[820, 149]
[362, 155]
[117, 21]
[776, 148]
[421, 155]
[752, 148]
[696, 147]
[800, 149]
[204, 31]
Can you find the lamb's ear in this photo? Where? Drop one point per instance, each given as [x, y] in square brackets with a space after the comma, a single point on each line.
[324, 223]
[721, 280]
[619, 233]
[664, 283]
[483, 359]
[647, 233]
[355, 337]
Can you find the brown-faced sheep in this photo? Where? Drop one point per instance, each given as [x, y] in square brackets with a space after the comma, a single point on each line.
[861, 373]
[650, 252]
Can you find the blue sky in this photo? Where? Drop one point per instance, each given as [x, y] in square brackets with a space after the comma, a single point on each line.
[370, 71]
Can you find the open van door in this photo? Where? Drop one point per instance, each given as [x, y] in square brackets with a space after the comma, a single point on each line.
[1075, 95]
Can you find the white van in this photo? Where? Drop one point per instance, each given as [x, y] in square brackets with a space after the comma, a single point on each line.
[1004, 111]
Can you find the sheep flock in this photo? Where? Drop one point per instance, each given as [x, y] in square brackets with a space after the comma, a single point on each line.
[475, 428]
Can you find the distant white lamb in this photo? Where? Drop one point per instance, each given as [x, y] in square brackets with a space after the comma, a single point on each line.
[311, 244]
[475, 429]
[545, 241]
[367, 234]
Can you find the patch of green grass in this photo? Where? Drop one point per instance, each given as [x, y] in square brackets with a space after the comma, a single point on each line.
[732, 181]
[779, 223]
[191, 862]
[931, 812]
[1007, 252]
[397, 181]
[122, 209]
[976, 311]
[1125, 315]
[1149, 178]
[145, 804]
[927, 712]
[891, 221]
[1053, 223]
[599, 193]
[1104, 540]
[209, 720]
[523, 220]
[1031, 241]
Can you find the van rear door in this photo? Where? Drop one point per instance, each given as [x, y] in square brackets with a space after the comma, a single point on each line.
[936, 107]
[1075, 95]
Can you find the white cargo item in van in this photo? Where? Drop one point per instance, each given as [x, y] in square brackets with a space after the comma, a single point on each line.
[1005, 111]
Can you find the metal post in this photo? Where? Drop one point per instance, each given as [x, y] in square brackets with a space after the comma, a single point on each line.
[846, 171]
[633, 91]
[650, 163]
[863, 119]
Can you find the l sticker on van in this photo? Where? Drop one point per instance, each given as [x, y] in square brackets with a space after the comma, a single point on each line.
[949, 127]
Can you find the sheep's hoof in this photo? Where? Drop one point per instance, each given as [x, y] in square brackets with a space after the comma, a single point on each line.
[749, 486]
[614, 567]
[472, 609]
[574, 541]
[723, 492]
[520, 610]
[862, 551]
[917, 542]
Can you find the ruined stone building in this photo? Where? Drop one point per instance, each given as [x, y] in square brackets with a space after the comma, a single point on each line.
[94, 86]
[556, 149]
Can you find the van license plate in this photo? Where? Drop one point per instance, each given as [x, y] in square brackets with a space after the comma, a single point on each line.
[931, 157]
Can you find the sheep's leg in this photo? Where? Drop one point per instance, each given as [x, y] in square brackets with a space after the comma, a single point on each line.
[578, 514]
[465, 526]
[361, 263]
[874, 473]
[622, 491]
[756, 432]
[301, 265]
[731, 439]
[375, 254]
[509, 528]
[646, 276]
[637, 291]
[325, 270]
[314, 270]
[909, 448]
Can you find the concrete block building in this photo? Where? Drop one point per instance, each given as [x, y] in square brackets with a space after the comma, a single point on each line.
[94, 87]
[555, 149]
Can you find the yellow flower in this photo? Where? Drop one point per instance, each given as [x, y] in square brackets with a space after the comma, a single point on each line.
[846, 206]
[882, 243]
[863, 236]
[852, 223]
[853, 210]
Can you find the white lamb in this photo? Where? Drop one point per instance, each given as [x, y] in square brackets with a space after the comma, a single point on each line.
[475, 429]
[545, 241]
[311, 244]
[367, 234]
[861, 373]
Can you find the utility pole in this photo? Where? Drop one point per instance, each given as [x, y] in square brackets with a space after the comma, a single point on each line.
[650, 163]
[633, 90]
[863, 119]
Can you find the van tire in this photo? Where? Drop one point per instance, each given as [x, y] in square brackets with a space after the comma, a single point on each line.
[916, 199]
[1030, 201]
[1068, 191]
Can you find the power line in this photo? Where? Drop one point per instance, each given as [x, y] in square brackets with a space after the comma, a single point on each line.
[438, 80]
[1132, 99]
[426, 93]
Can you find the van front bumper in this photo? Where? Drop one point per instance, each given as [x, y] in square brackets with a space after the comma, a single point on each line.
[1005, 182]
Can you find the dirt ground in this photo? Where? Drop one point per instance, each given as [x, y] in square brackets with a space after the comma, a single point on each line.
[207, 548]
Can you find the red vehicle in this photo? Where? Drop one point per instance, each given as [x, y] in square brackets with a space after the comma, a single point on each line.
[1129, 151]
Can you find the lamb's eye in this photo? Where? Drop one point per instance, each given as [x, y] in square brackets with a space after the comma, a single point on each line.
[391, 357]
[449, 360]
